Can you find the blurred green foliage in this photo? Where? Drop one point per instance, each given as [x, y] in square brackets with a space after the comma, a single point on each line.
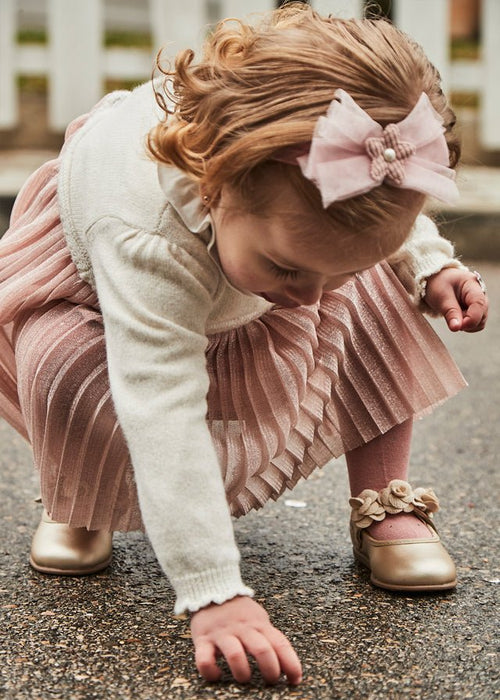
[124, 39]
[466, 49]
[33, 84]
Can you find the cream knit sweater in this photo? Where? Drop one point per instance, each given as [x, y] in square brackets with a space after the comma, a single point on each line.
[139, 236]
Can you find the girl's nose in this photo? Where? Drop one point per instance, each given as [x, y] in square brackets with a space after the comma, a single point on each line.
[305, 295]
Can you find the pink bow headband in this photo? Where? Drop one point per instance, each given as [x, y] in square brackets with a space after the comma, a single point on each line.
[350, 153]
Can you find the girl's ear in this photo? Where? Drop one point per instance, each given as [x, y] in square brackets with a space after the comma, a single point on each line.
[208, 197]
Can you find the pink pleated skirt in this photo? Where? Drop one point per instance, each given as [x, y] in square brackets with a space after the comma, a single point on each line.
[288, 391]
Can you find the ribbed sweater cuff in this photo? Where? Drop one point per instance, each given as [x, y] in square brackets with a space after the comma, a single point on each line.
[212, 586]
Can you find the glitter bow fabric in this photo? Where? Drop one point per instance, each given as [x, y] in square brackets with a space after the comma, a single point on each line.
[350, 153]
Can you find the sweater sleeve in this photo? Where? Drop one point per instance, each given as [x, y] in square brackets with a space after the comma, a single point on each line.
[155, 298]
[423, 254]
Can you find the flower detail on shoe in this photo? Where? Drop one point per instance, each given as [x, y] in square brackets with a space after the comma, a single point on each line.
[366, 508]
[426, 500]
[397, 497]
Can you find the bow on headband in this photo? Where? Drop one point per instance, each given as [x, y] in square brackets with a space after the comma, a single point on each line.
[350, 153]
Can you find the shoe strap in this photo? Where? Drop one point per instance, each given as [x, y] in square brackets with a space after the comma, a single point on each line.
[398, 497]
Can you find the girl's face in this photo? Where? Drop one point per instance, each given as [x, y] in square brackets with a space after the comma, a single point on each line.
[285, 264]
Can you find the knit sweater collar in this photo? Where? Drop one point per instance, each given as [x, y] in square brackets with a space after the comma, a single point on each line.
[184, 196]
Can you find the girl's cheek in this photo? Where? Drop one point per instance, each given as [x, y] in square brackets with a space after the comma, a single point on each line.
[251, 282]
[240, 277]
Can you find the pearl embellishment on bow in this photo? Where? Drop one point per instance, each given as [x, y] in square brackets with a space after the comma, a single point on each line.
[389, 155]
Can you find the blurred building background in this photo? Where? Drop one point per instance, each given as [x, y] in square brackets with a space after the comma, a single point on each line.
[57, 57]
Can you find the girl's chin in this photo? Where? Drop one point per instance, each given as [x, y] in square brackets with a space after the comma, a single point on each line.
[279, 301]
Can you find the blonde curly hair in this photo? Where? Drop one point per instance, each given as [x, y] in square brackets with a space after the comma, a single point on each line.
[259, 89]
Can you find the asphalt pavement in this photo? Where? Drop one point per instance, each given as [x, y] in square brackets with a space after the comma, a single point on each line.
[113, 635]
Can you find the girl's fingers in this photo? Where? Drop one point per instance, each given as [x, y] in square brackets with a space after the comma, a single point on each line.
[238, 628]
[454, 318]
[206, 660]
[234, 653]
[474, 320]
[288, 659]
[451, 310]
[271, 650]
[476, 307]
[259, 646]
[460, 296]
[467, 311]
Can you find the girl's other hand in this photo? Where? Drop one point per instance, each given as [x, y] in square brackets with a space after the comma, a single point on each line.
[238, 627]
[458, 296]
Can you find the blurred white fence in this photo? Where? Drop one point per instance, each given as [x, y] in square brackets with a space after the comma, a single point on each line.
[76, 62]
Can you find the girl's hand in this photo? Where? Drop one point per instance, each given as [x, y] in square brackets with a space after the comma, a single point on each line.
[458, 296]
[238, 627]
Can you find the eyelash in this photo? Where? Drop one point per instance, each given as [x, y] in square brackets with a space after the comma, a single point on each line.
[283, 273]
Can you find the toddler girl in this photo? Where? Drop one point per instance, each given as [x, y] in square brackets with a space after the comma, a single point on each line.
[236, 268]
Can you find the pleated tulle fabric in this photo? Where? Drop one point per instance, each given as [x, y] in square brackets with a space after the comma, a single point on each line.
[297, 387]
[288, 391]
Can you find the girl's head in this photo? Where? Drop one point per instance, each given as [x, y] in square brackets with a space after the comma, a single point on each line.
[260, 90]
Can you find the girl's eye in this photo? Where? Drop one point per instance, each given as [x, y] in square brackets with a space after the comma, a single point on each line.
[282, 272]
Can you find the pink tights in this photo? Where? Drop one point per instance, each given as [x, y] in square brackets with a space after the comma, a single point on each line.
[373, 465]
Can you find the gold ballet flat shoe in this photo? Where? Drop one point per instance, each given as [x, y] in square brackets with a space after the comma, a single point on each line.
[405, 564]
[60, 549]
